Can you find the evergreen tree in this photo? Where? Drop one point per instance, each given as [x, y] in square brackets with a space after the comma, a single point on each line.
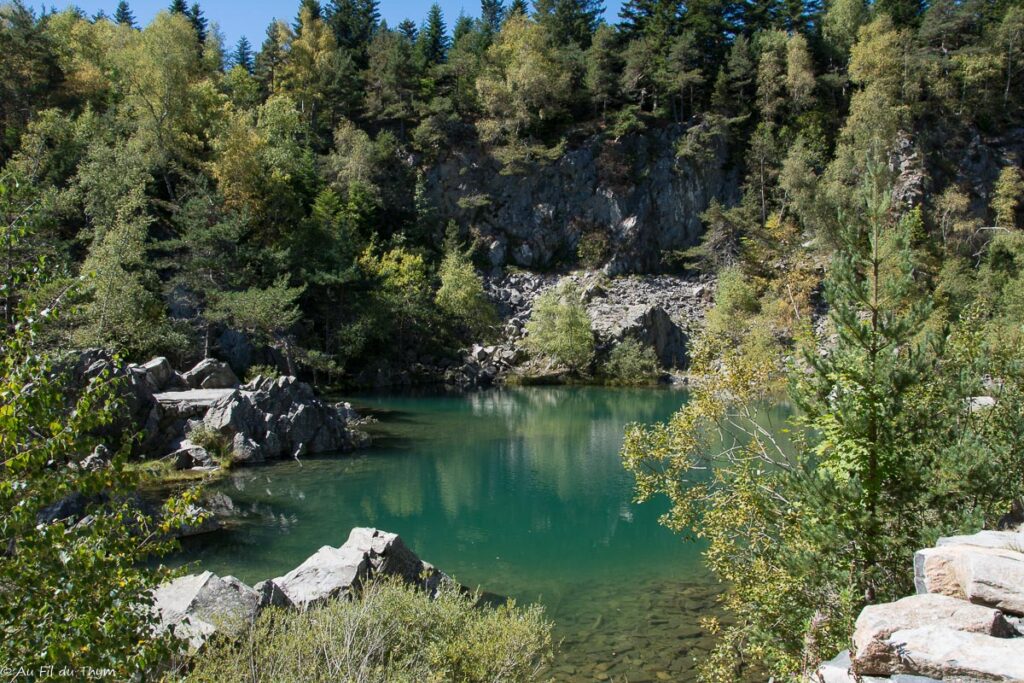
[199, 23]
[123, 15]
[432, 42]
[242, 55]
[492, 14]
[902, 12]
[649, 17]
[271, 56]
[353, 23]
[604, 64]
[178, 7]
[313, 7]
[518, 8]
[407, 27]
[569, 20]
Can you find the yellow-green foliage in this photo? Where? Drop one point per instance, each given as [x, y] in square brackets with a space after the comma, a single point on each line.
[631, 362]
[392, 633]
[559, 328]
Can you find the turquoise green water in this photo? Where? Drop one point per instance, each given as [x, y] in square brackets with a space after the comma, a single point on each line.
[519, 491]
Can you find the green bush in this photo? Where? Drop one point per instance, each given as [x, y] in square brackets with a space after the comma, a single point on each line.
[559, 328]
[631, 363]
[255, 371]
[592, 250]
[392, 633]
[215, 443]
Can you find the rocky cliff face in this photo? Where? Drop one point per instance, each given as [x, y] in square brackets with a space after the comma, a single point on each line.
[636, 193]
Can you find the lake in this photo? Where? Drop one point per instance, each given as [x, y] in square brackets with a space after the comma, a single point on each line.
[519, 491]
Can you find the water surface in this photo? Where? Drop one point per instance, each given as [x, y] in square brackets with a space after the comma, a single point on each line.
[517, 490]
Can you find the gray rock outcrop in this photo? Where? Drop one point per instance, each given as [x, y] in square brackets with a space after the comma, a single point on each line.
[965, 624]
[878, 653]
[197, 606]
[211, 374]
[635, 192]
[273, 418]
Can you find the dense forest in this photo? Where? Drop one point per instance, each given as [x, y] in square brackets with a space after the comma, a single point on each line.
[167, 193]
[280, 192]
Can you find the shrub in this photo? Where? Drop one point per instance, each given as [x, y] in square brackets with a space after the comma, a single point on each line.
[392, 632]
[255, 371]
[592, 250]
[461, 294]
[215, 443]
[631, 363]
[559, 328]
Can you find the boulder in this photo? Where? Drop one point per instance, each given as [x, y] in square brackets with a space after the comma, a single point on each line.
[196, 606]
[270, 418]
[328, 573]
[839, 670]
[650, 325]
[211, 374]
[952, 655]
[333, 572]
[159, 373]
[874, 652]
[987, 576]
[189, 455]
[271, 595]
[1000, 540]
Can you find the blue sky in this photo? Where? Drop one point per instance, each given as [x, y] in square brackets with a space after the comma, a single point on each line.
[251, 17]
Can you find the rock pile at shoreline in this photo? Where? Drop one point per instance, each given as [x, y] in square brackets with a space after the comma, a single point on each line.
[265, 419]
[197, 606]
[965, 624]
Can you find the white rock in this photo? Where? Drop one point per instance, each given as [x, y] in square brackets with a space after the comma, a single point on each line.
[198, 605]
[951, 655]
[328, 573]
[874, 654]
[987, 576]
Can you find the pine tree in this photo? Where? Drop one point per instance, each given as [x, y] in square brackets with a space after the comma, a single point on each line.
[178, 7]
[353, 23]
[199, 23]
[316, 11]
[407, 27]
[242, 55]
[432, 43]
[650, 17]
[518, 8]
[570, 20]
[492, 14]
[123, 14]
[271, 56]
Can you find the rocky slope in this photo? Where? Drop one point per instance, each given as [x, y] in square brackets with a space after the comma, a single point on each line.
[661, 311]
[635, 192]
[966, 622]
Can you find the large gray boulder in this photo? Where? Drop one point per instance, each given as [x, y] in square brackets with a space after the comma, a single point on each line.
[211, 374]
[328, 573]
[952, 655]
[875, 653]
[336, 572]
[274, 418]
[159, 373]
[196, 606]
[987, 576]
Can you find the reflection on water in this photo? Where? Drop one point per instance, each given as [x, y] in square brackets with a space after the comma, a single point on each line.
[517, 490]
